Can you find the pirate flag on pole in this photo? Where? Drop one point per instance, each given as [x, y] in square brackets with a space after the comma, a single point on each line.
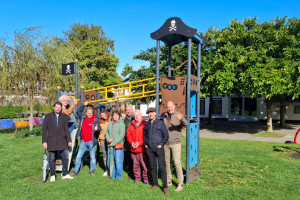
[68, 68]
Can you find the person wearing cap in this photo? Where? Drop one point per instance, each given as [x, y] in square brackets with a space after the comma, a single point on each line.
[155, 137]
[174, 122]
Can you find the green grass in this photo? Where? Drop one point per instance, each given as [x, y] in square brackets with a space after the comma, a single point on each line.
[229, 169]
[268, 134]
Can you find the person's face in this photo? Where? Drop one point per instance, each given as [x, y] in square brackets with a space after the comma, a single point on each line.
[89, 113]
[103, 116]
[122, 108]
[129, 111]
[152, 115]
[57, 108]
[65, 101]
[170, 108]
[138, 118]
[116, 117]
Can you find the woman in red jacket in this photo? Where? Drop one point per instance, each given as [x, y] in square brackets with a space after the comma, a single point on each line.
[135, 137]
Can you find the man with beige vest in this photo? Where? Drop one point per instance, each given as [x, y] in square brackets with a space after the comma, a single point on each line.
[174, 122]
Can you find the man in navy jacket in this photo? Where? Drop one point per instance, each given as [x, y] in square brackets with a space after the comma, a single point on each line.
[155, 137]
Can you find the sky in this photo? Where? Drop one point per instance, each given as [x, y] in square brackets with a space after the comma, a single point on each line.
[129, 23]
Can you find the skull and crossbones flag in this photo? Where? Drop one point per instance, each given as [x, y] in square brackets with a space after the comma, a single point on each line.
[68, 68]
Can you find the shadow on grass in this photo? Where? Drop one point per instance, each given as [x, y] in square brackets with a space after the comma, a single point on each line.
[291, 151]
[230, 127]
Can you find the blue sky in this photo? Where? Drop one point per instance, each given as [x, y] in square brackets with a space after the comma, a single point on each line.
[130, 23]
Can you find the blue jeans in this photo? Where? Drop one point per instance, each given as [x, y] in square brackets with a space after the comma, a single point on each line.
[118, 156]
[72, 126]
[82, 149]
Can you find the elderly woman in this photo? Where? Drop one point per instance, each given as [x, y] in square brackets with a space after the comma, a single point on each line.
[114, 135]
[104, 121]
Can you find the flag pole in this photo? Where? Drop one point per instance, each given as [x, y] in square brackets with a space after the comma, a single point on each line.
[76, 82]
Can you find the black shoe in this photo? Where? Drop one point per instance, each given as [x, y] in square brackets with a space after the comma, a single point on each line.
[73, 174]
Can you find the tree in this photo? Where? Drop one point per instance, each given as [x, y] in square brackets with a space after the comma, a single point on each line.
[24, 66]
[97, 62]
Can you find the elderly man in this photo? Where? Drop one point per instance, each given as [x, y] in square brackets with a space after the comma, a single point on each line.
[128, 164]
[174, 122]
[68, 109]
[135, 137]
[155, 137]
[56, 138]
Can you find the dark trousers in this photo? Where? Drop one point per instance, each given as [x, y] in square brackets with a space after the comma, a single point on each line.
[153, 153]
[65, 161]
[128, 164]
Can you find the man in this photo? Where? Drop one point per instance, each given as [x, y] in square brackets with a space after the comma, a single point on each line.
[174, 122]
[55, 138]
[135, 137]
[128, 164]
[68, 109]
[88, 130]
[155, 137]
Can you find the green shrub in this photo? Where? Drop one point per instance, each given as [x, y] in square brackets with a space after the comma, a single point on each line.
[10, 112]
[25, 132]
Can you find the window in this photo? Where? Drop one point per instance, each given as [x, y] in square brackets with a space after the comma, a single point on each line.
[297, 109]
[202, 106]
[217, 106]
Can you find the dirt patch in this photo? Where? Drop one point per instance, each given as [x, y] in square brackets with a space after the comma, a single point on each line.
[295, 155]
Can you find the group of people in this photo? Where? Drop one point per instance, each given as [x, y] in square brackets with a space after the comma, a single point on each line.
[125, 138]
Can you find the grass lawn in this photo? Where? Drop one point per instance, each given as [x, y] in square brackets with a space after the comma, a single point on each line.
[268, 134]
[229, 170]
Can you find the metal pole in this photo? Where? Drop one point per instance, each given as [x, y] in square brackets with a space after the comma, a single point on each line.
[58, 92]
[198, 105]
[157, 77]
[76, 82]
[188, 111]
[98, 104]
[81, 95]
[169, 60]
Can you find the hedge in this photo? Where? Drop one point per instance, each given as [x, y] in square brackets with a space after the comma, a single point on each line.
[10, 112]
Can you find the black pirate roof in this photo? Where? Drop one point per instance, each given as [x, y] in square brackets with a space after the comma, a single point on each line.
[175, 31]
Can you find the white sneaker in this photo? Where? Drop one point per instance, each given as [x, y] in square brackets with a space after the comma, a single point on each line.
[67, 177]
[52, 178]
[105, 173]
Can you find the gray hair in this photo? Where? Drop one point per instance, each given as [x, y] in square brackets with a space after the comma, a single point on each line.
[64, 97]
[137, 112]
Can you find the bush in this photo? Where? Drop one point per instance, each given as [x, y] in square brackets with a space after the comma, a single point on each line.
[10, 112]
[25, 132]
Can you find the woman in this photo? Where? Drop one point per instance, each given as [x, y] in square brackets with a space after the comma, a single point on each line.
[123, 110]
[104, 120]
[114, 135]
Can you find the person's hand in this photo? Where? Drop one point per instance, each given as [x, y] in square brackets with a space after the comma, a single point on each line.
[75, 102]
[137, 144]
[111, 144]
[179, 117]
[96, 127]
[146, 146]
[45, 145]
[133, 145]
[109, 141]
[86, 103]
[159, 146]
[69, 144]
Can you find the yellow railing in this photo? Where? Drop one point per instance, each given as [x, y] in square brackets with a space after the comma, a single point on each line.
[131, 86]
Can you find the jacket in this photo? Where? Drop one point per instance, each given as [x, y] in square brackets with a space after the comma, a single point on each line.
[116, 132]
[68, 110]
[56, 137]
[174, 127]
[136, 134]
[127, 122]
[155, 133]
[82, 117]
[103, 125]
